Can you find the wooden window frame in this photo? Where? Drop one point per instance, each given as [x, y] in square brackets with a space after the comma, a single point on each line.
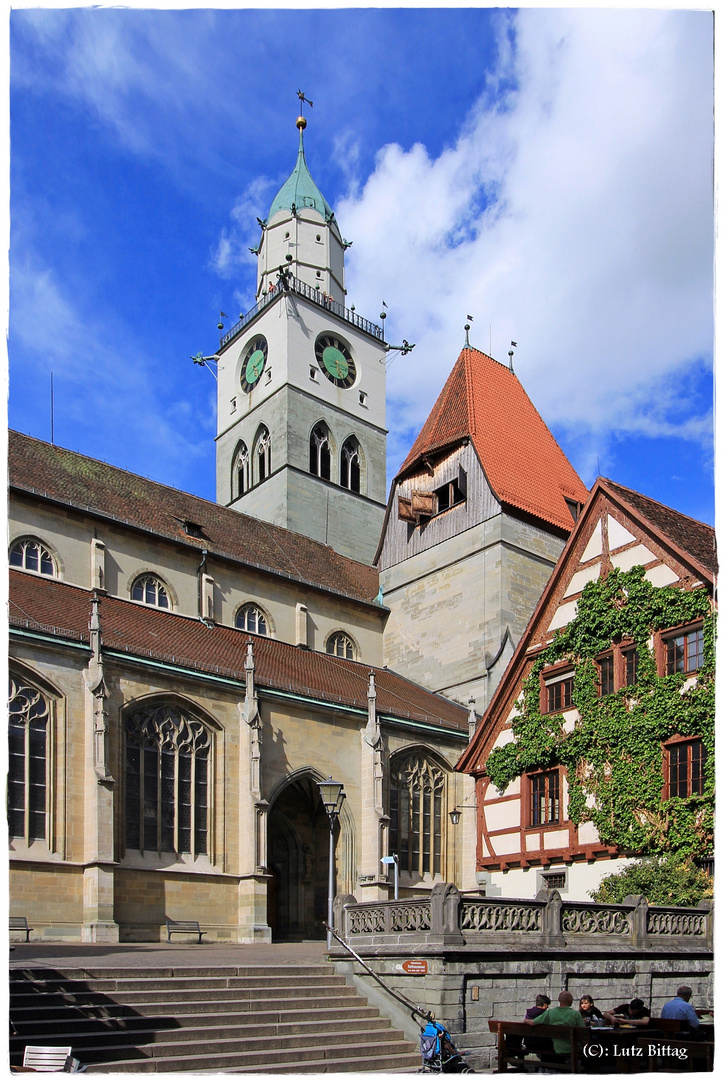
[685, 632]
[672, 747]
[555, 676]
[528, 805]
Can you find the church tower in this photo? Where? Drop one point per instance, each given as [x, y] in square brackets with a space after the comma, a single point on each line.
[301, 440]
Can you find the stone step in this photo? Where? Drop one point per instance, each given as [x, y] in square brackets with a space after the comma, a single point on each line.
[272, 1035]
[170, 972]
[176, 982]
[63, 1017]
[228, 993]
[349, 1057]
[258, 1019]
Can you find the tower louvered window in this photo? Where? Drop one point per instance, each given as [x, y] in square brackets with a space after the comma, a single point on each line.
[167, 771]
[242, 470]
[263, 454]
[415, 808]
[29, 711]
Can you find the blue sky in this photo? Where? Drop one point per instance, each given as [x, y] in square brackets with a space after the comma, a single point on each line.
[547, 171]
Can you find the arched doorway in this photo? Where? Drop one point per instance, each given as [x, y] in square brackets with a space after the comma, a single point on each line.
[298, 859]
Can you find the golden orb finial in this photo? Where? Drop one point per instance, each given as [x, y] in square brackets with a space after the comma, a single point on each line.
[301, 122]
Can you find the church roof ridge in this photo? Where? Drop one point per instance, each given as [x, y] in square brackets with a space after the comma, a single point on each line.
[95, 487]
[300, 190]
[483, 400]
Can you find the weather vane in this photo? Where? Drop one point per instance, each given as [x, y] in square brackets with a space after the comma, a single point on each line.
[302, 99]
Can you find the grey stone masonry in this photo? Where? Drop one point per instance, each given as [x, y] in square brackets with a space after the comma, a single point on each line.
[490, 957]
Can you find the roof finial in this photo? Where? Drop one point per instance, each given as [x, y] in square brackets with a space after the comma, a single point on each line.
[513, 346]
[467, 329]
[301, 119]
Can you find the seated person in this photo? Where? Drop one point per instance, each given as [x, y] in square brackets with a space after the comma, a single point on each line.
[679, 1008]
[563, 1015]
[523, 1046]
[532, 1042]
[635, 1014]
[589, 1010]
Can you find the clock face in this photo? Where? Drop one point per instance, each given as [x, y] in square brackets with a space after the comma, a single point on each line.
[335, 360]
[253, 363]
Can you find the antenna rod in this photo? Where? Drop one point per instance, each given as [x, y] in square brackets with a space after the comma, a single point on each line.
[52, 431]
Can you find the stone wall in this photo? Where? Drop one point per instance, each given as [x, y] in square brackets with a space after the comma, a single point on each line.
[490, 957]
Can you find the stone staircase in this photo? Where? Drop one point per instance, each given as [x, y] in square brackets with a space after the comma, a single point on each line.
[262, 1019]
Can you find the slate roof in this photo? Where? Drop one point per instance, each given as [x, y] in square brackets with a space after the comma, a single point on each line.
[484, 401]
[91, 485]
[691, 536]
[63, 611]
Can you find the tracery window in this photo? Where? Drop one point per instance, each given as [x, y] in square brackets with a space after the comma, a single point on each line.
[167, 772]
[340, 644]
[350, 472]
[242, 470]
[149, 589]
[28, 761]
[263, 454]
[252, 618]
[30, 554]
[415, 808]
[320, 452]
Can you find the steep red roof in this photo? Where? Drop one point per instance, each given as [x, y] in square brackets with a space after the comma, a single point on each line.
[484, 401]
[51, 606]
[91, 485]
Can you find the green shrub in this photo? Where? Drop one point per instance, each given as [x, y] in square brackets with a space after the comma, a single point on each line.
[669, 882]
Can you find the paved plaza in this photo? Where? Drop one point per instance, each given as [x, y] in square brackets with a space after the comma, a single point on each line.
[164, 955]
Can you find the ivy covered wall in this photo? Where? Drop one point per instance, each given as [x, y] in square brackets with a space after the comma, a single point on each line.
[613, 756]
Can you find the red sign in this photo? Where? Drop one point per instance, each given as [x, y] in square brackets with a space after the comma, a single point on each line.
[415, 967]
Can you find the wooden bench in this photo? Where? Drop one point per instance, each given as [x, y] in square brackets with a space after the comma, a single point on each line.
[184, 926]
[515, 1056]
[19, 922]
[45, 1058]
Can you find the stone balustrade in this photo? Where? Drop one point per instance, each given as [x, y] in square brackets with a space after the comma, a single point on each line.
[448, 919]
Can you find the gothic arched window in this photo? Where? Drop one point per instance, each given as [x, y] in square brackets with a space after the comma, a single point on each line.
[350, 472]
[241, 481]
[415, 809]
[262, 453]
[320, 452]
[149, 589]
[252, 618]
[30, 554]
[28, 761]
[340, 644]
[166, 798]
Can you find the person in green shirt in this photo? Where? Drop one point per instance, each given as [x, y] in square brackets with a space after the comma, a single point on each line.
[562, 1014]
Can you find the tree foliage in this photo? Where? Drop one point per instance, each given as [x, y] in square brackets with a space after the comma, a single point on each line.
[670, 881]
[613, 754]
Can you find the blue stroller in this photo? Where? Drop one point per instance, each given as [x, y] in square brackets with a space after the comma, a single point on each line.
[439, 1054]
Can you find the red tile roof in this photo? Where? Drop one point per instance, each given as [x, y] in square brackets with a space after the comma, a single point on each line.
[91, 485]
[44, 604]
[484, 401]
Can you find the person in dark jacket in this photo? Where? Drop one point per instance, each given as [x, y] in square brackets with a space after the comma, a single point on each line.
[589, 1010]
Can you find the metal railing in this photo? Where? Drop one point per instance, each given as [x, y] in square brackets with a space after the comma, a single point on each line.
[309, 293]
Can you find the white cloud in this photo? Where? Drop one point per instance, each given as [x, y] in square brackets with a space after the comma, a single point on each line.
[574, 215]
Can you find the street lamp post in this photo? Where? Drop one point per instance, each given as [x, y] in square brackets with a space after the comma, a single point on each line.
[332, 796]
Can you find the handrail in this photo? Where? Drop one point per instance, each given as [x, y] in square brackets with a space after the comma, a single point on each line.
[294, 285]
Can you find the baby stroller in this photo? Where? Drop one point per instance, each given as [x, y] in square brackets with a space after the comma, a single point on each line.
[439, 1054]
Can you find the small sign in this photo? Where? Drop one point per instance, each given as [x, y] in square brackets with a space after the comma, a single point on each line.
[415, 967]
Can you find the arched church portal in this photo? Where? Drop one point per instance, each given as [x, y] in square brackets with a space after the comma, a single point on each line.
[298, 862]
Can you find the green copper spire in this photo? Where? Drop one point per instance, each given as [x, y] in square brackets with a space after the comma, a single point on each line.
[300, 190]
